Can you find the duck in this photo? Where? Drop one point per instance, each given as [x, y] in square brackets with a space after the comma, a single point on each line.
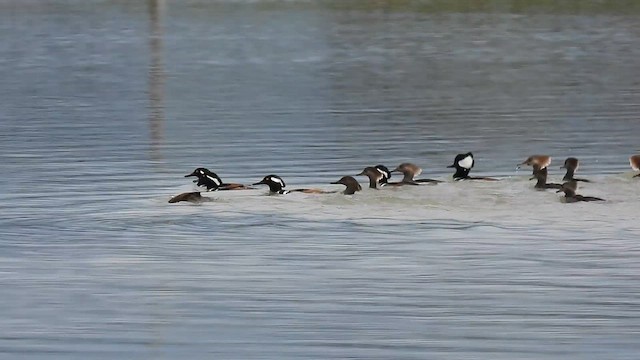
[378, 175]
[351, 183]
[212, 181]
[276, 186]
[634, 162]
[571, 164]
[410, 171]
[537, 162]
[192, 197]
[541, 176]
[463, 163]
[570, 196]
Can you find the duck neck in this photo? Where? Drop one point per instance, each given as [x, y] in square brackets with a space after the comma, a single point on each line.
[541, 175]
[408, 178]
[350, 190]
[275, 187]
[209, 182]
[542, 181]
[569, 175]
[373, 184]
[461, 173]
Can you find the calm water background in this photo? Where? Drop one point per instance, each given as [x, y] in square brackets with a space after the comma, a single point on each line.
[107, 105]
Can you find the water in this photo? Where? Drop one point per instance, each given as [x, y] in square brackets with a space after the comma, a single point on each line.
[107, 105]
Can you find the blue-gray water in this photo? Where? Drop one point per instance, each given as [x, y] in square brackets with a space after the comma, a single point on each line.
[105, 106]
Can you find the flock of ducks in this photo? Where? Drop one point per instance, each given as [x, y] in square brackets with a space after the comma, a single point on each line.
[540, 163]
[380, 175]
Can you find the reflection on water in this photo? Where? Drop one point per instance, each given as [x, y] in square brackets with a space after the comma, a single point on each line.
[156, 77]
[96, 264]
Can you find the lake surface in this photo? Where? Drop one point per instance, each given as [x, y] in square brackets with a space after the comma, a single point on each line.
[107, 105]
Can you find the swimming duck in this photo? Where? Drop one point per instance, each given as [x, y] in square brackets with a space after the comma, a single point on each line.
[276, 186]
[378, 175]
[541, 176]
[351, 183]
[410, 171]
[634, 161]
[537, 162]
[212, 181]
[570, 196]
[571, 164]
[463, 163]
[193, 197]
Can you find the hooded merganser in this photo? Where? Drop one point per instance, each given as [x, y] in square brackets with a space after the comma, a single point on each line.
[463, 163]
[378, 175]
[541, 176]
[537, 162]
[193, 197]
[212, 181]
[570, 196]
[351, 184]
[634, 161]
[571, 164]
[276, 186]
[384, 171]
[410, 171]
[386, 175]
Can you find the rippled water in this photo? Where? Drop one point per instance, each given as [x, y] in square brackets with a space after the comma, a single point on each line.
[107, 105]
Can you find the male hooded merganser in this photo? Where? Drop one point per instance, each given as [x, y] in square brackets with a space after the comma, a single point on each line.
[570, 196]
[538, 162]
[378, 175]
[541, 176]
[634, 161]
[410, 171]
[384, 171]
[193, 197]
[571, 164]
[276, 186]
[463, 163]
[351, 184]
[212, 181]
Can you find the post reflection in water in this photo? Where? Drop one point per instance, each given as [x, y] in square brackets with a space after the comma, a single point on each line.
[156, 77]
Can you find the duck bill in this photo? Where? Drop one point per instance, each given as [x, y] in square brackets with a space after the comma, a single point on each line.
[192, 174]
[451, 166]
[335, 182]
[261, 182]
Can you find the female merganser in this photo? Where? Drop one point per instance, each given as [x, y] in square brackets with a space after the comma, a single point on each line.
[351, 184]
[541, 176]
[193, 197]
[634, 161]
[410, 171]
[538, 162]
[378, 175]
[571, 164]
[570, 196]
